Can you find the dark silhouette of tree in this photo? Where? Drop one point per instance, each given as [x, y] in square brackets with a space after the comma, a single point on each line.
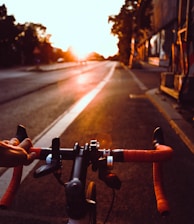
[19, 41]
[122, 28]
[134, 19]
[8, 33]
[94, 56]
[143, 15]
[33, 36]
[28, 40]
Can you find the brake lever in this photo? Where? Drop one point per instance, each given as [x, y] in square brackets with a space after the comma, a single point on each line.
[21, 133]
[109, 178]
[53, 160]
[158, 137]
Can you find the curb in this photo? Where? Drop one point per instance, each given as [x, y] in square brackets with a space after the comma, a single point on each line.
[176, 121]
[42, 69]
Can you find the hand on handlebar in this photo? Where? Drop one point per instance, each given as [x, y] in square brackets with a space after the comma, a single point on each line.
[13, 154]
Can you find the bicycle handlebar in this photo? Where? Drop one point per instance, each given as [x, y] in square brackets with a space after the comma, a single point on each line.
[157, 155]
[161, 153]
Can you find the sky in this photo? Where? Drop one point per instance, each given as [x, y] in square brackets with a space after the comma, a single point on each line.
[80, 24]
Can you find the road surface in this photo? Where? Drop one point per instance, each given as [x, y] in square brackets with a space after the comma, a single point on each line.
[120, 116]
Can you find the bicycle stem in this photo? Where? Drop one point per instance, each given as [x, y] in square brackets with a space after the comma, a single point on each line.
[75, 188]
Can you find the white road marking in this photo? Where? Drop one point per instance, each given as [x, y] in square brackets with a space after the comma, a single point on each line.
[56, 129]
[139, 83]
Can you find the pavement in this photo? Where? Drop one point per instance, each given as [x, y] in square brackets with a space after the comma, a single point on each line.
[169, 109]
[164, 103]
[52, 67]
[180, 117]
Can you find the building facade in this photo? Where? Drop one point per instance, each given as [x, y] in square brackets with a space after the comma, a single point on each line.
[171, 44]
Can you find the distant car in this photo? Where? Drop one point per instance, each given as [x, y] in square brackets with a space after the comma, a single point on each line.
[60, 60]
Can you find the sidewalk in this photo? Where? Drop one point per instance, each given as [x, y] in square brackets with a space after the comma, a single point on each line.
[180, 118]
[183, 128]
[16, 71]
[52, 67]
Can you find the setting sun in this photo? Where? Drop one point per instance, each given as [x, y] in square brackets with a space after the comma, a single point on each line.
[80, 52]
[82, 25]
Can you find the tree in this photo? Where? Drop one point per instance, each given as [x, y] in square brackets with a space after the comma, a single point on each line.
[122, 28]
[8, 33]
[18, 41]
[33, 36]
[143, 25]
[94, 56]
[134, 19]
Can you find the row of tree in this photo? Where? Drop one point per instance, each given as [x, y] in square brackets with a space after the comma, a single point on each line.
[134, 19]
[23, 44]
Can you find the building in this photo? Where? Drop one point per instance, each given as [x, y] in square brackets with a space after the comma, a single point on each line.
[171, 44]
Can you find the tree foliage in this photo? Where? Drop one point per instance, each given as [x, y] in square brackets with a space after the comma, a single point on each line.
[134, 19]
[19, 41]
[122, 28]
[143, 15]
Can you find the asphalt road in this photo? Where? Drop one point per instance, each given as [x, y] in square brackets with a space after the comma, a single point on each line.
[121, 116]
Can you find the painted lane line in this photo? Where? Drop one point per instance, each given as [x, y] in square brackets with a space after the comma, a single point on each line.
[139, 83]
[56, 129]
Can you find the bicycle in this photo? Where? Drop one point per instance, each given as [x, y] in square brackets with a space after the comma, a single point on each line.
[81, 203]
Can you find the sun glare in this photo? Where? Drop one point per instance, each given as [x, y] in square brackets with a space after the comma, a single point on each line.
[80, 51]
